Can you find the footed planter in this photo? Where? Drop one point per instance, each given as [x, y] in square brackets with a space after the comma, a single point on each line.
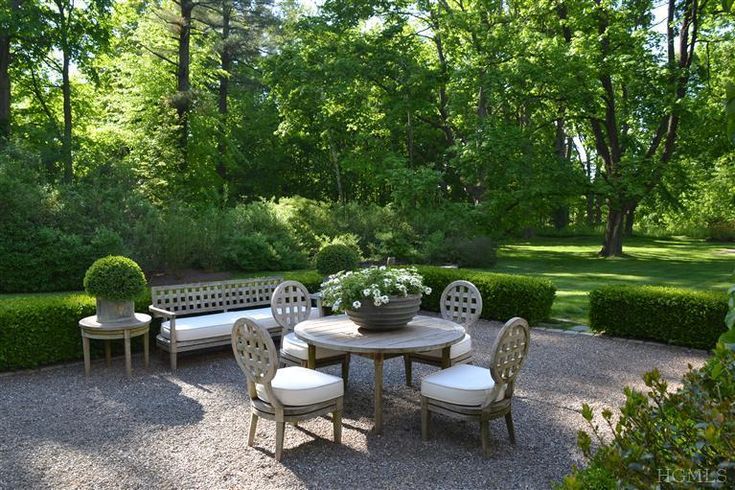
[390, 316]
[114, 311]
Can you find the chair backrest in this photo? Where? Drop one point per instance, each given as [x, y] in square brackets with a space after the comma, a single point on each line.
[255, 353]
[461, 302]
[509, 352]
[290, 304]
[202, 297]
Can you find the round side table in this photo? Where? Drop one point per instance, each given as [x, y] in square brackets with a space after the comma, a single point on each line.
[125, 330]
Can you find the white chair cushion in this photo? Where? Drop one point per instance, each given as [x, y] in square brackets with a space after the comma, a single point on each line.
[455, 350]
[462, 384]
[220, 324]
[295, 347]
[297, 386]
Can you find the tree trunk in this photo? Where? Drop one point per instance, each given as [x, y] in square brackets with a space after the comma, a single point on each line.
[409, 138]
[334, 157]
[629, 219]
[66, 141]
[5, 60]
[4, 86]
[224, 86]
[612, 245]
[183, 86]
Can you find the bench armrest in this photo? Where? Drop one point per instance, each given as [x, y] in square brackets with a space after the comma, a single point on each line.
[161, 312]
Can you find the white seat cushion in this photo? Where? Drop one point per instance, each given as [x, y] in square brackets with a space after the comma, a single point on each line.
[294, 346]
[455, 350]
[297, 386]
[462, 384]
[220, 324]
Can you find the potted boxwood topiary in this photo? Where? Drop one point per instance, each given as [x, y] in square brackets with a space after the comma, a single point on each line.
[115, 282]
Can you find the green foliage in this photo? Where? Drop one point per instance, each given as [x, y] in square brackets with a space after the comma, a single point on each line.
[44, 329]
[336, 257]
[503, 295]
[115, 278]
[664, 439]
[677, 316]
[311, 279]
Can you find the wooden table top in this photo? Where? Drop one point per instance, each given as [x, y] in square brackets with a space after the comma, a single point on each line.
[90, 322]
[423, 333]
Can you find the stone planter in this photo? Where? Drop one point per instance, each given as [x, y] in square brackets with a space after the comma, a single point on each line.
[114, 311]
[391, 316]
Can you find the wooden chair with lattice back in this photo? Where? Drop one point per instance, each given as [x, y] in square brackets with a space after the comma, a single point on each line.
[461, 303]
[473, 392]
[285, 394]
[291, 304]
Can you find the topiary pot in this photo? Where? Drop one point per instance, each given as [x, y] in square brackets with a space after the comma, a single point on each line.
[391, 316]
[114, 311]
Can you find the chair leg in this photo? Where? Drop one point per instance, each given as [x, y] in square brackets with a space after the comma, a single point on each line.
[173, 361]
[337, 425]
[345, 370]
[280, 430]
[425, 415]
[484, 423]
[253, 428]
[408, 367]
[511, 429]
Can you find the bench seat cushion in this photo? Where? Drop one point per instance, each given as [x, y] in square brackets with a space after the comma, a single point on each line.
[219, 324]
[455, 350]
[297, 386]
[462, 384]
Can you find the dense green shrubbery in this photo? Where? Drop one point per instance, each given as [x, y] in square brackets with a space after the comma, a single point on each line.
[503, 295]
[44, 329]
[336, 257]
[687, 436]
[114, 278]
[677, 316]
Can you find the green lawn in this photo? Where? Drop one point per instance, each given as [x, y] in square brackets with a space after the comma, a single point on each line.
[572, 264]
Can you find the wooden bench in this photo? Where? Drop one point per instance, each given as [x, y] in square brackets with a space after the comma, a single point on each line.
[201, 315]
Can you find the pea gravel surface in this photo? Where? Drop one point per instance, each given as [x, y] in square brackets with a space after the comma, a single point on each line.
[159, 430]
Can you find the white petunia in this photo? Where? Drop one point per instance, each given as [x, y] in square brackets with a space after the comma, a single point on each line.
[356, 305]
[366, 292]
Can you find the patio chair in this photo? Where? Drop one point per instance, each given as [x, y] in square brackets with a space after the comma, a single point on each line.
[287, 394]
[473, 392]
[460, 302]
[291, 304]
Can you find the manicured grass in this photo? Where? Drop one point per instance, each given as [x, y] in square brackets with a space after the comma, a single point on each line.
[572, 264]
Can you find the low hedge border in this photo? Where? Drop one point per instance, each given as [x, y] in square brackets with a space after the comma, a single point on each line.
[43, 329]
[676, 316]
[503, 295]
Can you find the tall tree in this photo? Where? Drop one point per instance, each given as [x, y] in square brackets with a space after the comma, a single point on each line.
[9, 23]
[76, 34]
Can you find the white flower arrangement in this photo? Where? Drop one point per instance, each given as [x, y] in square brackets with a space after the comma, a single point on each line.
[373, 284]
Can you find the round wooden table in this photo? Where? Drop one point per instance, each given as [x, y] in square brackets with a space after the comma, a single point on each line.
[125, 330]
[422, 334]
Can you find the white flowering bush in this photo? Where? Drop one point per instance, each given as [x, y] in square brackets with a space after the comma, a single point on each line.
[350, 290]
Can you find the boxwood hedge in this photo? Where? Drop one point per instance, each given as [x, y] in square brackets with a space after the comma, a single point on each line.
[676, 316]
[503, 295]
[43, 329]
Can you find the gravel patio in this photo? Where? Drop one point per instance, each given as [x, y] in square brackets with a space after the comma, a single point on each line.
[155, 430]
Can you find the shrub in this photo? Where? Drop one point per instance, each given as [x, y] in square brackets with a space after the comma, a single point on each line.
[677, 316]
[687, 434]
[114, 278]
[44, 329]
[311, 279]
[336, 257]
[481, 251]
[503, 295]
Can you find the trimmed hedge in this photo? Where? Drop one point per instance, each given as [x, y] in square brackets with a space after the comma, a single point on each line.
[503, 295]
[44, 329]
[677, 316]
[311, 279]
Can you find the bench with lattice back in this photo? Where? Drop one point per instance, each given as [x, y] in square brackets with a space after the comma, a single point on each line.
[201, 315]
